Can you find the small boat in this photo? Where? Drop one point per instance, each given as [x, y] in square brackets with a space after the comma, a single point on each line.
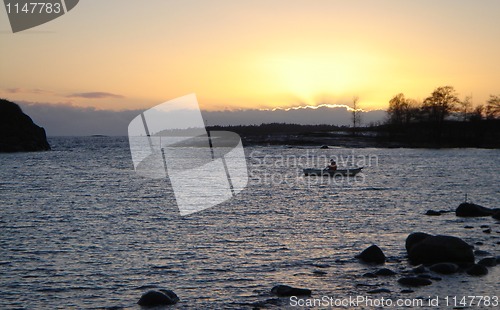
[351, 171]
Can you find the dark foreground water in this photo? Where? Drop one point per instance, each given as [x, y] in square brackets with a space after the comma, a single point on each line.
[79, 229]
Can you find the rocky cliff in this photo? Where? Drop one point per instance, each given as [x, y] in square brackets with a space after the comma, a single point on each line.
[18, 133]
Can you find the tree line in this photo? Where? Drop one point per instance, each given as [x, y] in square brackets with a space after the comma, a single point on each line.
[443, 103]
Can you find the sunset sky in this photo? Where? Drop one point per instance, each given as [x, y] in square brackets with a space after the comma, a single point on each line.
[253, 54]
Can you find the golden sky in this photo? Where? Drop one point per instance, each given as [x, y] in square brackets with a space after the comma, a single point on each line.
[253, 54]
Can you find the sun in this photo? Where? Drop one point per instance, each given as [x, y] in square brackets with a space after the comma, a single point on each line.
[312, 76]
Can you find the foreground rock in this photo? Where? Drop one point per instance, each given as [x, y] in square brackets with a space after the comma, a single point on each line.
[286, 291]
[18, 133]
[379, 290]
[477, 270]
[414, 281]
[488, 262]
[385, 272]
[467, 209]
[444, 268]
[433, 213]
[427, 249]
[158, 298]
[415, 238]
[372, 254]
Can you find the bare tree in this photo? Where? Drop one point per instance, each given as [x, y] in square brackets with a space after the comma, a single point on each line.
[465, 107]
[403, 110]
[396, 111]
[441, 103]
[493, 107]
[414, 111]
[356, 114]
[477, 113]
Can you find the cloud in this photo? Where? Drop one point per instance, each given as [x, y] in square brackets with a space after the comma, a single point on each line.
[17, 90]
[64, 119]
[315, 107]
[318, 115]
[94, 95]
[13, 90]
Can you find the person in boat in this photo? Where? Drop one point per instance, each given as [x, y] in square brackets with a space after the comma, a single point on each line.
[332, 166]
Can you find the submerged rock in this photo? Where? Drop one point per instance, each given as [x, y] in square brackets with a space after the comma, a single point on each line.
[496, 216]
[420, 269]
[385, 272]
[158, 298]
[414, 281]
[319, 272]
[379, 290]
[477, 270]
[285, 291]
[481, 253]
[488, 262]
[467, 209]
[432, 213]
[426, 249]
[18, 133]
[265, 303]
[444, 268]
[372, 254]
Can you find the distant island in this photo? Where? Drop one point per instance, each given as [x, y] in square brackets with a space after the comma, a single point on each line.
[452, 134]
[442, 120]
[18, 133]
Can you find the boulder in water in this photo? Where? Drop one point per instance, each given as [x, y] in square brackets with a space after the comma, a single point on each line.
[427, 249]
[285, 291]
[372, 254]
[477, 270]
[414, 238]
[468, 209]
[158, 298]
[488, 262]
[432, 213]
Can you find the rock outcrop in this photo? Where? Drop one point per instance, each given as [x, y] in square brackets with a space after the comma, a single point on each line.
[18, 133]
[426, 249]
[467, 209]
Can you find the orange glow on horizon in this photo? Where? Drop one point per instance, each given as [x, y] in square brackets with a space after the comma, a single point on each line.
[253, 55]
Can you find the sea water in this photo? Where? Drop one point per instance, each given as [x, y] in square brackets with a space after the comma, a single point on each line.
[80, 229]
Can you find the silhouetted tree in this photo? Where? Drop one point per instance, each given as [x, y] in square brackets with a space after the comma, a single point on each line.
[356, 114]
[414, 112]
[477, 113]
[441, 103]
[403, 111]
[465, 107]
[493, 107]
[398, 107]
